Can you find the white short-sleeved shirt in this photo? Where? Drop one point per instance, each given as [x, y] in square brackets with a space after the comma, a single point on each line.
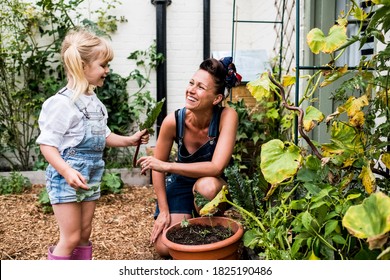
[61, 122]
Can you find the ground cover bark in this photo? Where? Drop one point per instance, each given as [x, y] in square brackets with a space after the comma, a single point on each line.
[121, 227]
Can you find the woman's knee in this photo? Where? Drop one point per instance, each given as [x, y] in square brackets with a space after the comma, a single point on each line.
[208, 187]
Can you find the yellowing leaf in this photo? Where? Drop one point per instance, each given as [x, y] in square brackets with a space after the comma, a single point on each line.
[318, 42]
[342, 21]
[261, 88]
[347, 144]
[370, 220]
[334, 75]
[313, 256]
[337, 37]
[356, 104]
[312, 117]
[212, 207]
[357, 120]
[368, 179]
[353, 107]
[385, 158]
[359, 13]
[288, 80]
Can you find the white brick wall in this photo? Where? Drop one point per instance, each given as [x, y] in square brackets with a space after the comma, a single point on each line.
[185, 36]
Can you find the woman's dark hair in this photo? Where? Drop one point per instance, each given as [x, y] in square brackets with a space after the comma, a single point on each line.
[216, 69]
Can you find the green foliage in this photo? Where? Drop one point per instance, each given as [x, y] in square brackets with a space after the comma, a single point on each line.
[246, 191]
[82, 194]
[298, 213]
[111, 183]
[16, 183]
[127, 111]
[114, 96]
[31, 34]
[257, 125]
[44, 201]
[152, 117]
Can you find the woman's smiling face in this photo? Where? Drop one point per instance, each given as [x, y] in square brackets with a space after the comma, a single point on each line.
[200, 91]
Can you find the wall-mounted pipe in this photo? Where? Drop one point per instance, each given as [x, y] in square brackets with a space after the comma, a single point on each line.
[206, 29]
[161, 47]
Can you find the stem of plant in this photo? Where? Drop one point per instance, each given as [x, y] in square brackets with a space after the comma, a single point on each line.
[136, 154]
[249, 214]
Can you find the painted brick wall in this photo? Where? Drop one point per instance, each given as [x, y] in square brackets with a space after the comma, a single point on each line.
[185, 36]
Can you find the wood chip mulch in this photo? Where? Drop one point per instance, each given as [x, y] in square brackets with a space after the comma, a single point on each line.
[121, 226]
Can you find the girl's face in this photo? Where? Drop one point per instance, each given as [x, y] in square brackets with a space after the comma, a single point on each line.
[200, 92]
[96, 71]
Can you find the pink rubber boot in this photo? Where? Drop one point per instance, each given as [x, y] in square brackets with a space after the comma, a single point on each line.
[82, 252]
[50, 255]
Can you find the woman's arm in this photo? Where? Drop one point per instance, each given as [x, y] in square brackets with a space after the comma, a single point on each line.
[215, 167]
[161, 154]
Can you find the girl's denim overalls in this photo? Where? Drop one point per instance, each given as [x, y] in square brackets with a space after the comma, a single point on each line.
[179, 188]
[86, 158]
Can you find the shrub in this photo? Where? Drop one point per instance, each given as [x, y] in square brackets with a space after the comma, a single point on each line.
[16, 183]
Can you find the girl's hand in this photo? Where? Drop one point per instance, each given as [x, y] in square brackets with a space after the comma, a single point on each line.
[162, 223]
[75, 179]
[141, 136]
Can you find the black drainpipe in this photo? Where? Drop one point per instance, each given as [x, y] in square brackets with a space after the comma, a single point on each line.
[206, 29]
[161, 42]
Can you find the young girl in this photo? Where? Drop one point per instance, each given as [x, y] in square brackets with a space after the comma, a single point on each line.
[74, 132]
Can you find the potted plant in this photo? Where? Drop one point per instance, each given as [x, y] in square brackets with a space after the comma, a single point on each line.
[223, 233]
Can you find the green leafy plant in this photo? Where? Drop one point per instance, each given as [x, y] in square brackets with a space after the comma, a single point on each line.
[111, 183]
[127, 111]
[16, 183]
[81, 194]
[266, 231]
[30, 38]
[310, 187]
[44, 201]
[148, 124]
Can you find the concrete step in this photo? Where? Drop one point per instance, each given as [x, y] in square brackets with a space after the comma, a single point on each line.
[131, 177]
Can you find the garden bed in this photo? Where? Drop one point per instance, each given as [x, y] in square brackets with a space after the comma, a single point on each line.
[121, 227]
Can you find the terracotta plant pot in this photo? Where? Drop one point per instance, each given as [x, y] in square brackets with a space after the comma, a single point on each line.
[221, 250]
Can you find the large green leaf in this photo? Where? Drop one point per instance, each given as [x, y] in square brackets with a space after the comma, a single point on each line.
[279, 161]
[318, 42]
[370, 220]
[152, 117]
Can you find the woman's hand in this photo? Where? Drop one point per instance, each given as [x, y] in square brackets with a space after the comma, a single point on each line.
[150, 162]
[162, 223]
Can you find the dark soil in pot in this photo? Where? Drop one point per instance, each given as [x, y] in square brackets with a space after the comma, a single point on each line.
[198, 234]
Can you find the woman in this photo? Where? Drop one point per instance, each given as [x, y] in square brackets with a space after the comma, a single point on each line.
[205, 133]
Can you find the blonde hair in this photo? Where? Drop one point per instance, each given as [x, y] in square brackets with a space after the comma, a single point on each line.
[79, 47]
